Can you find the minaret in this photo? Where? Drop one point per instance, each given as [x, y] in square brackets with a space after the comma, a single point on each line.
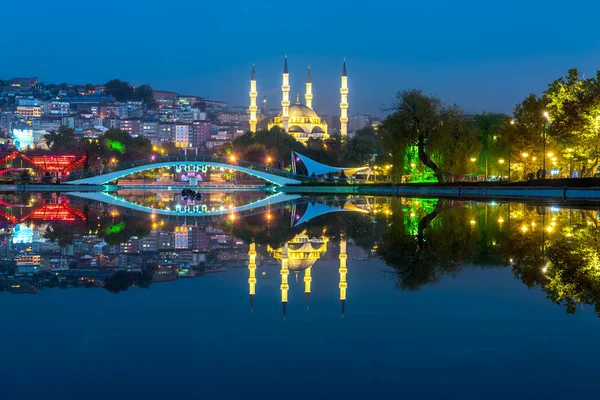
[344, 103]
[285, 272]
[307, 281]
[285, 102]
[253, 95]
[308, 95]
[343, 271]
[265, 105]
[252, 273]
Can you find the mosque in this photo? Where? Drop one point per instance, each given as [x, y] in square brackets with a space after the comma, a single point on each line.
[300, 120]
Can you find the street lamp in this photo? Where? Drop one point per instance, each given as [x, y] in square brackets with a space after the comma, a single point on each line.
[547, 117]
[501, 161]
[232, 158]
[473, 159]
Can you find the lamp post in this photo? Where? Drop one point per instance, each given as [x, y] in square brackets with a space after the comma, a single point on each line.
[473, 159]
[547, 116]
[501, 161]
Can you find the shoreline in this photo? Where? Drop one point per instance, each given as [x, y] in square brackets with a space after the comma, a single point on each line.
[407, 190]
[458, 191]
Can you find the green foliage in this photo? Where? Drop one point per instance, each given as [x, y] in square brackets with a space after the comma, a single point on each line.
[61, 140]
[120, 90]
[123, 91]
[494, 144]
[445, 139]
[574, 108]
[116, 228]
[115, 145]
[117, 142]
[145, 94]
[454, 144]
[362, 147]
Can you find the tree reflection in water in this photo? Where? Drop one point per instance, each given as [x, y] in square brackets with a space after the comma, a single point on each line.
[556, 250]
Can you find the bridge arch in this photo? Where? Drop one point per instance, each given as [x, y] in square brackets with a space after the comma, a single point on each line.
[115, 200]
[106, 175]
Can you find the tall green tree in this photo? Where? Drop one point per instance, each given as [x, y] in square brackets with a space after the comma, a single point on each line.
[422, 121]
[574, 107]
[525, 132]
[60, 140]
[493, 143]
[454, 143]
[145, 93]
[120, 90]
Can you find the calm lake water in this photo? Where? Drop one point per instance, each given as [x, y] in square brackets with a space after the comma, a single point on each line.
[354, 297]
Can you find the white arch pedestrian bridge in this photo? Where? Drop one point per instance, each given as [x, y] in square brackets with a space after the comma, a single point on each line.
[108, 174]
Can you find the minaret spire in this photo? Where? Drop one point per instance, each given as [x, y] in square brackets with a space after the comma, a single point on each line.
[253, 95]
[285, 272]
[343, 272]
[285, 90]
[308, 96]
[307, 281]
[344, 102]
[252, 273]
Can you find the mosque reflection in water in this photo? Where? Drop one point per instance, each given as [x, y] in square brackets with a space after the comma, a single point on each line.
[53, 240]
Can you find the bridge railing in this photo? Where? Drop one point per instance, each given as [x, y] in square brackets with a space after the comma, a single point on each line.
[183, 159]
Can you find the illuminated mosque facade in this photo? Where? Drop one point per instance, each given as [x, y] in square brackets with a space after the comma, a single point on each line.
[300, 120]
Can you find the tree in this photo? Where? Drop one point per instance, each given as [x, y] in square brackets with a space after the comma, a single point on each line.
[145, 94]
[362, 147]
[120, 90]
[454, 144]
[91, 149]
[119, 143]
[60, 140]
[435, 130]
[525, 132]
[493, 143]
[574, 107]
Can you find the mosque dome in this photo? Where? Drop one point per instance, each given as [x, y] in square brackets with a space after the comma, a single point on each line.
[301, 111]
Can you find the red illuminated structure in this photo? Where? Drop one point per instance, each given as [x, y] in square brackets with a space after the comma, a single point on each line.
[56, 212]
[55, 164]
[59, 211]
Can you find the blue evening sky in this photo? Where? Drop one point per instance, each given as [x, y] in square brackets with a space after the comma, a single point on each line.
[483, 55]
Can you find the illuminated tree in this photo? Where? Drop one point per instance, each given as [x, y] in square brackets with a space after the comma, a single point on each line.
[445, 140]
[574, 106]
[454, 144]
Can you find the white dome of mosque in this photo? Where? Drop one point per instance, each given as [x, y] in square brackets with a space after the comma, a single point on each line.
[301, 111]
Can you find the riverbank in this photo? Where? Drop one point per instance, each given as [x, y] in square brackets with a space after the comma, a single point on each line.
[582, 189]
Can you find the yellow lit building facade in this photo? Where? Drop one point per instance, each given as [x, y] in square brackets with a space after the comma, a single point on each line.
[300, 120]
